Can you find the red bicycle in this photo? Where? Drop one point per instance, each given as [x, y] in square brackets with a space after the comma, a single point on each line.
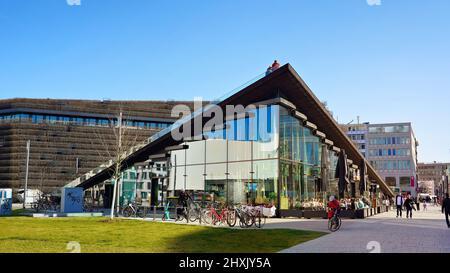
[213, 215]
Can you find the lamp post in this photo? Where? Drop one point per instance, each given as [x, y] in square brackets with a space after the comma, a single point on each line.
[26, 175]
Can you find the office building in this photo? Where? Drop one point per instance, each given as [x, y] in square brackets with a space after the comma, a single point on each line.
[436, 172]
[391, 148]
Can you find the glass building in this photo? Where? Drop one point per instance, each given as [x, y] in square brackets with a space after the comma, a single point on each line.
[282, 151]
[267, 157]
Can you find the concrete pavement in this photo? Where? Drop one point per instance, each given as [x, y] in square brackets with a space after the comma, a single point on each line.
[426, 232]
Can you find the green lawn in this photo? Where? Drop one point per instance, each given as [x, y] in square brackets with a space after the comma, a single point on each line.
[26, 234]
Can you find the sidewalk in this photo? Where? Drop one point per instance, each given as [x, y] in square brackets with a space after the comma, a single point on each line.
[426, 232]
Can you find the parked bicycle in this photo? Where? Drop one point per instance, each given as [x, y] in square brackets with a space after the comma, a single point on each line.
[132, 209]
[46, 203]
[195, 211]
[88, 205]
[182, 214]
[214, 215]
[238, 213]
[256, 216]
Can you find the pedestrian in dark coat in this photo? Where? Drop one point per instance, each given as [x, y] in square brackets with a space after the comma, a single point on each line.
[409, 205]
[446, 208]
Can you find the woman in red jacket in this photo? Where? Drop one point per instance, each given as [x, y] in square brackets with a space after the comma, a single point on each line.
[333, 205]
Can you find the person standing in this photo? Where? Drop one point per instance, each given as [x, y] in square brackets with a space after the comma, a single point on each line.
[399, 204]
[269, 70]
[275, 65]
[409, 205]
[446, 208]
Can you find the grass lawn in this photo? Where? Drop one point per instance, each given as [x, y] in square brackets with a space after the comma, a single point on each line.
[26, 234]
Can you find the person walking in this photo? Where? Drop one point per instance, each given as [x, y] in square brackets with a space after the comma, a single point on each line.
[409, 205]
[446, 208]
[399, 204]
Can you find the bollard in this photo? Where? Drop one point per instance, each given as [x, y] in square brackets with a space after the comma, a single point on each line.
[154, 212]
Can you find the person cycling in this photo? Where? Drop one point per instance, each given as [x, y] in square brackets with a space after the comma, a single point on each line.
[333, 205]
[334, 222]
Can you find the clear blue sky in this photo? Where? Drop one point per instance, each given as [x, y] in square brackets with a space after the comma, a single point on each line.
[386, 63]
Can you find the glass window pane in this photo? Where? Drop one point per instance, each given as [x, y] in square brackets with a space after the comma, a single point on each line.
[239, 182]
[177, 158]
[216, 150]
[265, 179]
[215, 181]
[266, 145]
[195, 154]
[195, 177]
[239, 150]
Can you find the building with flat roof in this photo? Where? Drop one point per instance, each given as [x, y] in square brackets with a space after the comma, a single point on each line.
[69, 137]
[391, 149]
[436, 172]
[281, 147]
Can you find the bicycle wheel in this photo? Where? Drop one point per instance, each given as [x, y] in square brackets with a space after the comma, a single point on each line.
[140, 212]
[260, 221]
[242, 223]
[334, 224]
[207, 216]
[231, 218]
[35, 207]
[186, 214]
[127, 212]
[339, 222]
[194, 215]
[249, 219]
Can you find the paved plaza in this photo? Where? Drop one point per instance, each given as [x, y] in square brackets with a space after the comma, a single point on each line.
[426, 232]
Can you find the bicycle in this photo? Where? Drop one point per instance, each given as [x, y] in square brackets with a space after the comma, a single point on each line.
[238, 213]
[211, 216]
[133, 209]
[42, 204]
[334, 223]
[182, 213]
[195, 212]
[256, 216]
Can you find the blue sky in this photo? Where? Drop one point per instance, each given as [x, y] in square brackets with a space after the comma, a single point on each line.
[386, 63]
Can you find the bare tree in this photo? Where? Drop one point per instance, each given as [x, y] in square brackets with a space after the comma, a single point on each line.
[113, 147]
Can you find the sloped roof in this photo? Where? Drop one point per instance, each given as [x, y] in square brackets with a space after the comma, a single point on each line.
[283, 82]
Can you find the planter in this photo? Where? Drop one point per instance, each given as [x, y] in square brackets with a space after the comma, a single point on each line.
[291, 213]
[315, 214]
[347, 214]
[360, 213]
